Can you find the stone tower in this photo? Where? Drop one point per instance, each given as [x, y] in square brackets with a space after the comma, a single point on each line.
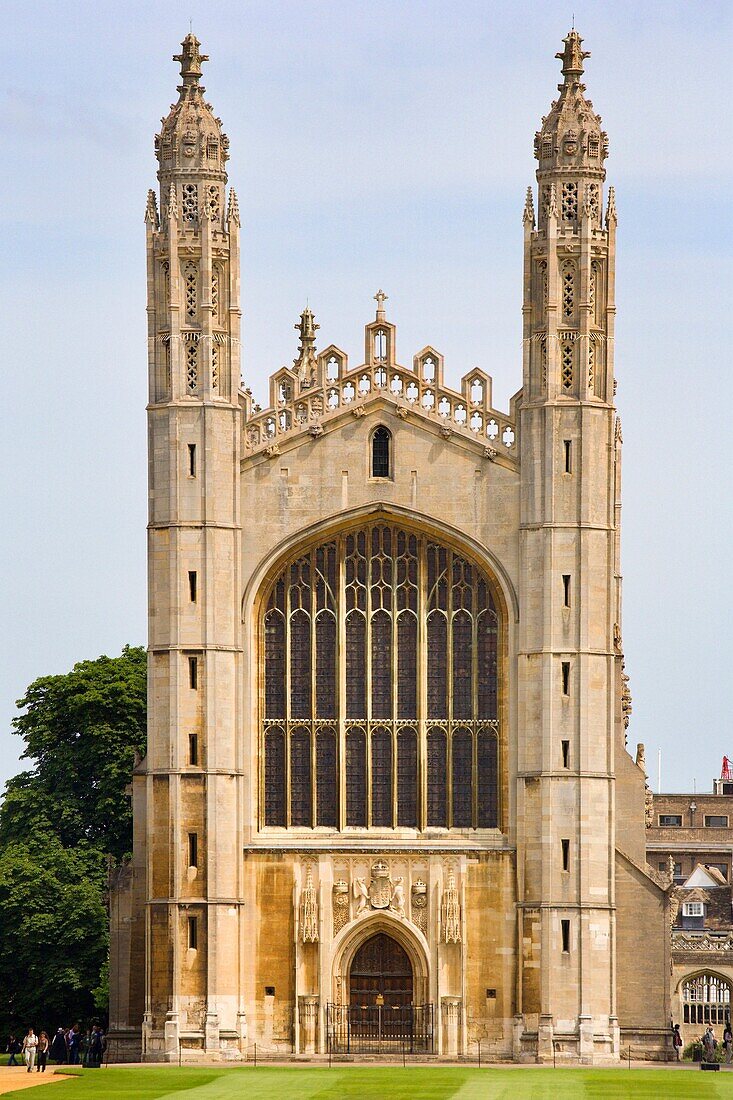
[193, 770]
[566, 679]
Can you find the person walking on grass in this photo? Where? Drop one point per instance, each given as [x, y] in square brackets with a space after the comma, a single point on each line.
[30, 1046]
[13, 1049]
[709, 1044]
[43, 1046]
[728, 1043]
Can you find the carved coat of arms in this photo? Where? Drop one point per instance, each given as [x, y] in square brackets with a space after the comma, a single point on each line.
[380, 888]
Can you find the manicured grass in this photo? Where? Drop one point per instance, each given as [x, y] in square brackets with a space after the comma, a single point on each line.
[393, 1083]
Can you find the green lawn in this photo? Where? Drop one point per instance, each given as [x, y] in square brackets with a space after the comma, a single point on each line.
[395, 1083]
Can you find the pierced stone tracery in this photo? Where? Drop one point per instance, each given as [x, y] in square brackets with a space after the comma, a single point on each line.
[347, 627]
[215, 294]
[569, 201]
[191, 278]
[192, 367]
[190, 204]
[566, 364]
[568, 290]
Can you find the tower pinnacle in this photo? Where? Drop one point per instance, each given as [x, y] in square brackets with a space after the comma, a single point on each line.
[572, 57]
[191, 60]
[191, 144]
[305, 362]
[571, 145]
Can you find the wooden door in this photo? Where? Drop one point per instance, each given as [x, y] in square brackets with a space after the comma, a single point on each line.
[381, 966]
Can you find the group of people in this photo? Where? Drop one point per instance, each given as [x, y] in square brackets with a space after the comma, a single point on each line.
[68, 1047]
[709, 1044]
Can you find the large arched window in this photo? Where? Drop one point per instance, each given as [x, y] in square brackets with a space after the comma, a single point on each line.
[705, 1000]
[380, 687]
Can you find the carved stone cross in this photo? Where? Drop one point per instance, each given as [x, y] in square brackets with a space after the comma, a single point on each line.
[380, 298]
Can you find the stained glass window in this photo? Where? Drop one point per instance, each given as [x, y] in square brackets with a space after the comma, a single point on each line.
[326, 779]
[381, 777]
[380, 687]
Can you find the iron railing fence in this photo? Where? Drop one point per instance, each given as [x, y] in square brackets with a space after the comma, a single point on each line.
[379, 1029]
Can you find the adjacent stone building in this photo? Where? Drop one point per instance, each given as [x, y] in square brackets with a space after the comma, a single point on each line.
[690, 838]
[386, 804]
[692, 829]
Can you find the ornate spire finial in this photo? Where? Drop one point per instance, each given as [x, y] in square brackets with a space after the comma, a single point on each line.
[305, 363]
[151, 211]
[611, 215]
[572, 57]
[528, 215]
[190, 59]
[233, 212]
[173, 202]
[380, 298]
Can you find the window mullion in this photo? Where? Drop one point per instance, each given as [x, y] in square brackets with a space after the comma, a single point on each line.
[288, 710]
[394, 674]
[449, 689]
[341, 627]
[368, 685]
[261, 681]
[474, 701]
[314, 665]
[422, 660]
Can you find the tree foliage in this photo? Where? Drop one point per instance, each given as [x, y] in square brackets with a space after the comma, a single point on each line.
[60, 821]
[53, 932]
[81, 731]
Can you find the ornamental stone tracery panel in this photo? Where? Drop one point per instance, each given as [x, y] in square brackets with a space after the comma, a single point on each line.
[380, 692]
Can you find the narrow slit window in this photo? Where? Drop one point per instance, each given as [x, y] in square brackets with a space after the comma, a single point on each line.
[193, 749]
[381, 445]
[192, 585]
[193, 673]
[568, 449]
[566, 677]
[566, 590]
[565, 754]
[192, 460]
[193, 933]
[565, 844]
[193, 849]
[565, 926]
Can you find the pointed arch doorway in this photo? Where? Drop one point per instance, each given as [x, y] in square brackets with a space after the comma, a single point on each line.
[380, 1016]
[381, 974]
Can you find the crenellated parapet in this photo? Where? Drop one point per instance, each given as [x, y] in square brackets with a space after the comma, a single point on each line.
[320, 388]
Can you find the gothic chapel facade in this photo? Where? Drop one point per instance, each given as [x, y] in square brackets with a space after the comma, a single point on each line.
[387, 803]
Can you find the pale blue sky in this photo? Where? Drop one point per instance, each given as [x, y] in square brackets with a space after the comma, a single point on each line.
[372, 144]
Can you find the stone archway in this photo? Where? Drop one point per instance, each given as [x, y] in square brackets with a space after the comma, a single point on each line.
[381, 998]
[381, 969]
[348, 943]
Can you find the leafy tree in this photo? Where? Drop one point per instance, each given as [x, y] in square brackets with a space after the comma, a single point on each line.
[59, 822]
[53, 932]
[81, 731]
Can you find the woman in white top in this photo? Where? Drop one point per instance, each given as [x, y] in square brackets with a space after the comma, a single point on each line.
[30, 1044]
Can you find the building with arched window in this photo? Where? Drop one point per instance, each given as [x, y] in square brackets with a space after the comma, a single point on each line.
[386, 805]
